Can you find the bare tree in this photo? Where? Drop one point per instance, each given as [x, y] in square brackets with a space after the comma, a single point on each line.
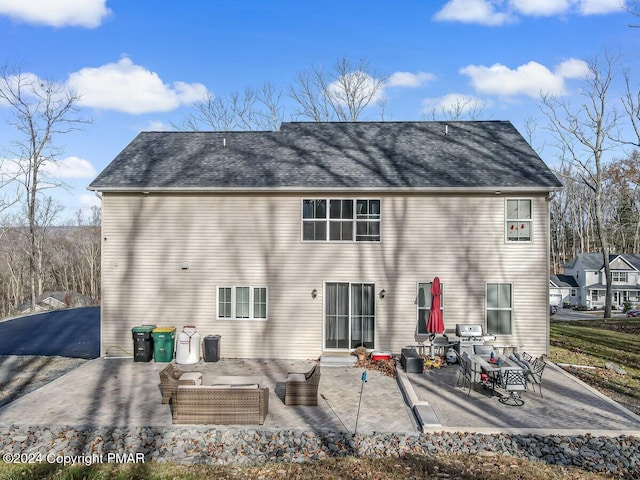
[583, 135]
[340, 94]
[463, 108]
[41, 110]
[253, 109]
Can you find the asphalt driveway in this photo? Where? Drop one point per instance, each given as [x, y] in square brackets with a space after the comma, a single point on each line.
[73, 332]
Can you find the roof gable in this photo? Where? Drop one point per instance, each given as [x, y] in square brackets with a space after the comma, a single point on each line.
[365, 155]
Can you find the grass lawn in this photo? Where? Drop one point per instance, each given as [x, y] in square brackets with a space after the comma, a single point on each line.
[467, 467]
[596, 342]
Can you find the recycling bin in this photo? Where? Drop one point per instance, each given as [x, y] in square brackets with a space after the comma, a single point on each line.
[142, 343]
[163, 343]
[212, 348]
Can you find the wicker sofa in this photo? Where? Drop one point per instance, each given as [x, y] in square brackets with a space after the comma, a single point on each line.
[220, 404]
[302, 388]
[171, 376]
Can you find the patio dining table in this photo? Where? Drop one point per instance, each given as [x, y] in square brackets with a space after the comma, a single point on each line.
[492, 369]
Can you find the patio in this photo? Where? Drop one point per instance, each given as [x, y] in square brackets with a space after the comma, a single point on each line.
[120, 392]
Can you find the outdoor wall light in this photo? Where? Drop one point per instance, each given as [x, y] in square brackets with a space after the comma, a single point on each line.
[314, 293]
[382, 293]
[184, 265]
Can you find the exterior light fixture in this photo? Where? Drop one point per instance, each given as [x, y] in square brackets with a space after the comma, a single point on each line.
[184, 265]
[314, 293]
[382, 293]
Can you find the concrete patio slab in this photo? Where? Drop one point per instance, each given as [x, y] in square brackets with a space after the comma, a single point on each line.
[120, 392]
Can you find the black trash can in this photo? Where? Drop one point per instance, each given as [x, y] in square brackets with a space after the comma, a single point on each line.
[142, 343]
[212, 348]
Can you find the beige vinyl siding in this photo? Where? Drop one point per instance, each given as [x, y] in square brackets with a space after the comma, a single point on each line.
[247, 240]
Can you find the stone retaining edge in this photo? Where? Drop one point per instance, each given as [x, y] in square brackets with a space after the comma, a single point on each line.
[616, 456]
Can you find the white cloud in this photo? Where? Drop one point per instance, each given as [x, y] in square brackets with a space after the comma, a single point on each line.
[499, 12]
[482, 12]
[600, 7]
[130, 88]
[540, 8]
[358, 80]
[70, 167]
[409, 80]
[572, 68]
[530, 79]
[56, 13]
[157, 126]
[87, 200]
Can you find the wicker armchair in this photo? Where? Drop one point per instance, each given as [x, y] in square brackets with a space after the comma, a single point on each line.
[171, 376]
[220, 404]
[302, 388]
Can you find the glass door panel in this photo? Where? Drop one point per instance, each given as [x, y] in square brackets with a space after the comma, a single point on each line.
[337, 315]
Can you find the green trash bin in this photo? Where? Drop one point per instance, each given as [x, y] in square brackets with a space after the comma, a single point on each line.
[142, 343]
[163, 343]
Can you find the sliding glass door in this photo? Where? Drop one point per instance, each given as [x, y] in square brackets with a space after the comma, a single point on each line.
[349, 315]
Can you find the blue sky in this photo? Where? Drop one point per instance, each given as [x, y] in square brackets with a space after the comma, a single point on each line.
[139, 65]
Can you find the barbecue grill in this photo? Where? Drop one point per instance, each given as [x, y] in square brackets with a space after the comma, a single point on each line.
[468, 335]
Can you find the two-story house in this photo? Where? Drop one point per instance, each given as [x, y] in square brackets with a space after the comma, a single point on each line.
[321, 237]
[587, 270]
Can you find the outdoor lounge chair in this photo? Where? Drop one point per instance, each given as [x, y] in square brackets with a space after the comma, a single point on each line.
[302, 388]
[171, 376]
[514, 382]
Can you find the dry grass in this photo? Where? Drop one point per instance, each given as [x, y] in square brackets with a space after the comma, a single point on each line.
[596, 342]
[454, 467]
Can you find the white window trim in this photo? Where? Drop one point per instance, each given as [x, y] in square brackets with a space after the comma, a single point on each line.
[507, 220]
[487, 309]
[233, 303]
[618, 274]
[328, 219]
[442, 301]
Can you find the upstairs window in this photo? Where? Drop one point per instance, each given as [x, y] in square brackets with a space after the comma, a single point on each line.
[341, 220]
[621, 277]
[518, 220]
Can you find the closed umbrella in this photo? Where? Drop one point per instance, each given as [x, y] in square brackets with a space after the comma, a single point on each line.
[435, 324]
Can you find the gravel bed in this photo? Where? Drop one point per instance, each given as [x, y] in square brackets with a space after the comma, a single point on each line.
[614, 456]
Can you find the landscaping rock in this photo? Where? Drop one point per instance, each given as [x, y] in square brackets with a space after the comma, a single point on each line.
[615, 367]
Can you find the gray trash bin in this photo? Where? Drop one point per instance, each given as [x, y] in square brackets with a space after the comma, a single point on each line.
[212, 348]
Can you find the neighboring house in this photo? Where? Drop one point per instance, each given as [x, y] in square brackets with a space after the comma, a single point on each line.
[562, 289]
[321, 237]
[587, 270]
[55, 301]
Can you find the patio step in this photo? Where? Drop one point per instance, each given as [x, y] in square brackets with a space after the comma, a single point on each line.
[331, 361]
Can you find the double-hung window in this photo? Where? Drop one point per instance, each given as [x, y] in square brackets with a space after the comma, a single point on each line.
[621, 277]
[499, 308]
[341, 220]
[518, 220]
[424, 305]
[242, 302]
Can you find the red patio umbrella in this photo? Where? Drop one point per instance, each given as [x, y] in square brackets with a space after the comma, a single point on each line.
[435, 324]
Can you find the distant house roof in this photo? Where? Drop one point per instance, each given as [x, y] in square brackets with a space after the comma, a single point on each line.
[593, 261]
[566, 281]
[487, 155]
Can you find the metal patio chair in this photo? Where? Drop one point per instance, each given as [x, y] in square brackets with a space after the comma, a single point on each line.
[535, 374]
[514, 382]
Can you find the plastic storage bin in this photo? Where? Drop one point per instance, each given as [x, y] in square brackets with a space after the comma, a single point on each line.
[142, 343]
[188, 346]
[211, 348]
[163, 343]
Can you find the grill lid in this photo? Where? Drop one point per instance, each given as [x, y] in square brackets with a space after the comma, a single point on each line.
[468, 330]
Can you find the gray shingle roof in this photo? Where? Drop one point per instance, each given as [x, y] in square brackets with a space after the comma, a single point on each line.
[563, 280]
[593, 261]
[375, 155]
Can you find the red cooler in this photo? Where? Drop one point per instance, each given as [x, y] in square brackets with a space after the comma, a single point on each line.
[375, 356]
